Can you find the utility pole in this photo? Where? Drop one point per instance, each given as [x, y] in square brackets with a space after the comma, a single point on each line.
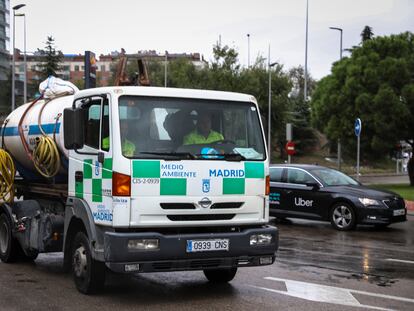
[339, 153]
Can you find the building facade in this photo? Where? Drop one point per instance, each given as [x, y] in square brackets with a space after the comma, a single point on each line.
[4, 39]
[73, 65]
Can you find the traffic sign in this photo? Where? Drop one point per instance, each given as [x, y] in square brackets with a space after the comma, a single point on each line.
[358, 127]
[290, 148]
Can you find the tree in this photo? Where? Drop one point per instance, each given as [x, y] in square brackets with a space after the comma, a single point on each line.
[225, 73]
[366, 34]
[51, 59]
[299, 109]
[375, 84]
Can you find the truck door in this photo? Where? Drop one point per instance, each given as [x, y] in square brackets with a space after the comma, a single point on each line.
[90, 169]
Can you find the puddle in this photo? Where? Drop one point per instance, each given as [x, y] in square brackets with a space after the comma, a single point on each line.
[373, 279]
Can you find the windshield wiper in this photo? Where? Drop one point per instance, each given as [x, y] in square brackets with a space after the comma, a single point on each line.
[178, 155]
[226, 156]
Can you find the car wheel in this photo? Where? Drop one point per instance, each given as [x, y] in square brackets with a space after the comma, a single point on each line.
[9, 247]
[220, 275]
[343, 217]
[88, 274]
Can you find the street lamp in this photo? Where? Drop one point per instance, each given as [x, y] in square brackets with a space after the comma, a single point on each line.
[25, 59]
[305, 87]
[340, 47]
[15, 8]
[340, 57]
[248, 50]
[165, 68]
[269, 118]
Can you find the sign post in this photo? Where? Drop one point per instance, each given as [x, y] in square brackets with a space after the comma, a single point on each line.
[358, 128]
[290, 149]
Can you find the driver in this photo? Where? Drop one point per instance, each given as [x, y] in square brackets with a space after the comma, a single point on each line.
[203, 134]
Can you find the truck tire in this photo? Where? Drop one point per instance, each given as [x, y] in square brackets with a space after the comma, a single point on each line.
[220, 275]
[88, 274]
[9, 247]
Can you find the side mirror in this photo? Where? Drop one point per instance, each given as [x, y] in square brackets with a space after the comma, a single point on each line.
[314, 185]
[74, 128]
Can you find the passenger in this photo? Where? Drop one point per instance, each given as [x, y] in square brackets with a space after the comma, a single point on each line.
[128, 147]
[203, 134]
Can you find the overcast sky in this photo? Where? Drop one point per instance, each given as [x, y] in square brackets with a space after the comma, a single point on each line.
[194, 26]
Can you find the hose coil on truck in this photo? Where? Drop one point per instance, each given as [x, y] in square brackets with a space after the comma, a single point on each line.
[32, 137]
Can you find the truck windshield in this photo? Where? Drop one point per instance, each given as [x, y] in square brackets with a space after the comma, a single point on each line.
[181, 128]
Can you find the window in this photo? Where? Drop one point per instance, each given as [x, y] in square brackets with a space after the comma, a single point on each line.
[102, 67]
[105, 137]
[164, 126]
[76, 67]
[276, 174]
[96, 122]
[93, 121]
[296, 176]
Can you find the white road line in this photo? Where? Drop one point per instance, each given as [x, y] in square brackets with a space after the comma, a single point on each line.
[400, 260]
[327, 294]
[287, 281]
[356, 304]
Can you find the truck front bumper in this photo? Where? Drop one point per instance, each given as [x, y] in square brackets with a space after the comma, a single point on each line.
[172, 253]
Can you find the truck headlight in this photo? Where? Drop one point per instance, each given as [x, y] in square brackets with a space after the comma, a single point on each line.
[369, 202]
[144, 244]
[260, 239]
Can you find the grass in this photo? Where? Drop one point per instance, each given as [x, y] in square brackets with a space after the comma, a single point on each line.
[384, 166]
[406, 191]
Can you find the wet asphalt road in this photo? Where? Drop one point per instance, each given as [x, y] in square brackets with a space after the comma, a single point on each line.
[366, 269]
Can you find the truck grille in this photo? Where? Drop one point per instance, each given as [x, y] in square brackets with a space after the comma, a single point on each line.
[226, 205]
[177, 206]
[201, 217]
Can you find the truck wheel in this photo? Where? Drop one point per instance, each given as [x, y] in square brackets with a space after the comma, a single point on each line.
[220, 275]
[8, 245]
[343, 217]
[88, 274]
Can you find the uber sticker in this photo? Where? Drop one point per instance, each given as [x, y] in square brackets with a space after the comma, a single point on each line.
[302, 202]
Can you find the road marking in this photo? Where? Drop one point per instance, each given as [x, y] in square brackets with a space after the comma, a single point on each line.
[327, 294]
[400, 260]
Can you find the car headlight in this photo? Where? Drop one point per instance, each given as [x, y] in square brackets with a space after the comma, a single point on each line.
[369, 202]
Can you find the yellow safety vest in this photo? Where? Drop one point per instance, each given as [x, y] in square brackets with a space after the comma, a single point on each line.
[194, 138]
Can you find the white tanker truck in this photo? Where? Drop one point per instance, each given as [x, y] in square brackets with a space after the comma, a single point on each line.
[137, 179]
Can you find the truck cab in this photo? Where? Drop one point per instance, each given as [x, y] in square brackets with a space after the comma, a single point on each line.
[163, 179]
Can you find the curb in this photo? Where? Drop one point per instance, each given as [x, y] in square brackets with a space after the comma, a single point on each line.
[410, 207]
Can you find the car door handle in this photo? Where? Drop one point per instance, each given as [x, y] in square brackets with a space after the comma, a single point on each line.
[289, 191]
[78, 176]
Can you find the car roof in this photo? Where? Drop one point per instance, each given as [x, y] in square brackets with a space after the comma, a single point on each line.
[302, 166]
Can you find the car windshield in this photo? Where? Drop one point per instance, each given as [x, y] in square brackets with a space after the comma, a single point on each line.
[330, 177]
[181, 128]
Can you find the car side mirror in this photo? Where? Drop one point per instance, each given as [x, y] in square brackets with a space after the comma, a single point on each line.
[314, 185]
[74, 128]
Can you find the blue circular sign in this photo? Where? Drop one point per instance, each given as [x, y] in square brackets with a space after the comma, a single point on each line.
[358, 127]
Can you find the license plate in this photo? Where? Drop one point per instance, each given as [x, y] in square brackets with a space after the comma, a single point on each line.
[398, 212]
[207, 245]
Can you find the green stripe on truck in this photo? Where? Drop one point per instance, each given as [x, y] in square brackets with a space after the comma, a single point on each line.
[254, 170]
[173, 186]
[146, 169]
[233, 185]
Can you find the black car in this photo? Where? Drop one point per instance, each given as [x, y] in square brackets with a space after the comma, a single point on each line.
[320, 193]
